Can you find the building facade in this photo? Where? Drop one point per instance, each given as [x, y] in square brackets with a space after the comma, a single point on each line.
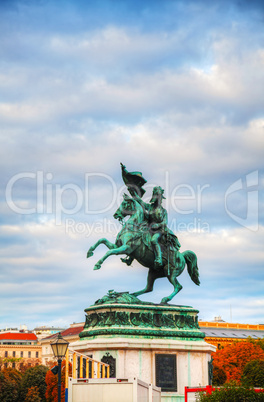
[44, 331]
[70, 334]
[220, 333]
[18, 349]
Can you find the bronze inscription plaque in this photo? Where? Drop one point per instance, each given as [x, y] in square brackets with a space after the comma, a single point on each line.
[166, 375]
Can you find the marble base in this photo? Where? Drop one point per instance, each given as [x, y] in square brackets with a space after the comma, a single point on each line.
[137, 358]
[133, 336]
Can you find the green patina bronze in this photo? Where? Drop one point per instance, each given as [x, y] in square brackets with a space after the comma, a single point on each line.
[121, 314]
[146, 238]
[113, 297]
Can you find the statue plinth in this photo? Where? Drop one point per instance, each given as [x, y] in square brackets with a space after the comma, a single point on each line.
[160, 344]
[122, 314]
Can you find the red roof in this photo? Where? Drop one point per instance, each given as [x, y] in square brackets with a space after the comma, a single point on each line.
[18, 336]
[67, 332]
[72, 331]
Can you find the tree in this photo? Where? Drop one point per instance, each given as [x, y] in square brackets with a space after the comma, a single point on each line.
[253, 374]
[9, 385]
[230, 393]
[33, 395]
[12, 375]
[7, 390]
[52, 384]
[233, 358]
[259, 342]
[26, 364]
[34, 377]
[219, 376]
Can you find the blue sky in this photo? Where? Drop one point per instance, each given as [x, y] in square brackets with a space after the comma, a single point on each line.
[170, 88]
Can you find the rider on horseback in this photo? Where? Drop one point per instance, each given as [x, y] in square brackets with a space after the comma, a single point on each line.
[155, 215]
[157, 218]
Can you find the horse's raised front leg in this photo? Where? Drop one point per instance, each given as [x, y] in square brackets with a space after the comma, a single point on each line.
[101, 241]
[152, 276]
[177, 287]
[124, 249]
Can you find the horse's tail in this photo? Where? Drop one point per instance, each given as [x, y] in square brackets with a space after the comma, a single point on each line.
[191, 261]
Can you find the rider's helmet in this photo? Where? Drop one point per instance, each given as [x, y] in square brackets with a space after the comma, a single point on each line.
[157, 191]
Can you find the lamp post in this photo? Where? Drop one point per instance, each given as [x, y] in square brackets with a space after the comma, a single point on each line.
[59, 348]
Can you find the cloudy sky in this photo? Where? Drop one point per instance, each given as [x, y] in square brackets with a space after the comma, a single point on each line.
[170, 88]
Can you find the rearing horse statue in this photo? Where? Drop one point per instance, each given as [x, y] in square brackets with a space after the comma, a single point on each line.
[134, 240]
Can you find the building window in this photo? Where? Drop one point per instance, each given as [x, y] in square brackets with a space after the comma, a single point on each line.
[14, 353]
[166, 374]
[37, 354]
[5, 364]
[6, 354]
[21, 353]
[13, 365]
[29, 354]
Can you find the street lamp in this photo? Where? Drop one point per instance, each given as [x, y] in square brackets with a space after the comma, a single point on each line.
[59, 348]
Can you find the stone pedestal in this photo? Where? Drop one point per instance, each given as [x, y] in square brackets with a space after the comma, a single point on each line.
[159, 344]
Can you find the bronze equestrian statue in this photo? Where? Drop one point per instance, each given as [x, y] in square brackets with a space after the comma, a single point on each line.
[146, 238]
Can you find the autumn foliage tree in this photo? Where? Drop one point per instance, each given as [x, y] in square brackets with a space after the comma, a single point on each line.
[52, 384]
[28, 363]
[219, 376]
[253, 374]
[33, 395]
[34, 377]
[259, 342]
[233, 358]
[9, 385]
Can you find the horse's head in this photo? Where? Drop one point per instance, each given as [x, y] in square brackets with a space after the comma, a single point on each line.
[126, 208]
